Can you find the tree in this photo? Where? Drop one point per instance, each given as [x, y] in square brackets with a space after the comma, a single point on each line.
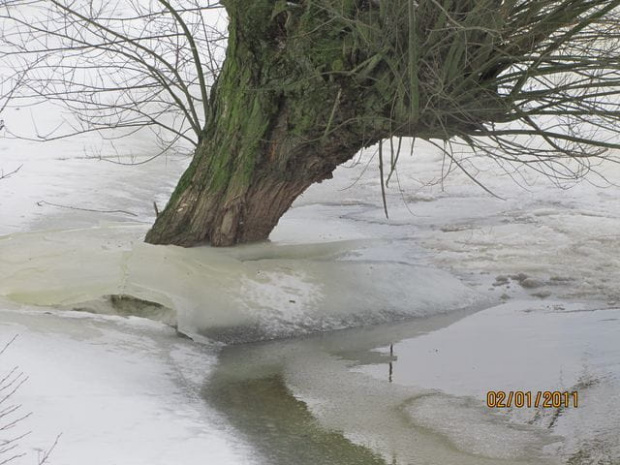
[305, 84]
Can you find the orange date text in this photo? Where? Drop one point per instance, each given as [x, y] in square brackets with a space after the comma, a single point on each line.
[529, 399]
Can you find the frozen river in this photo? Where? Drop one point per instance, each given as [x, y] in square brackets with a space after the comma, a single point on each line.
[389, 333]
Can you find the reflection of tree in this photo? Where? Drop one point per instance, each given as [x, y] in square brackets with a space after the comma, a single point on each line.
[280, 426]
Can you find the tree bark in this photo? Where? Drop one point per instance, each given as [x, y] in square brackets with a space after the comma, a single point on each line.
[304, 86]
[274, 130]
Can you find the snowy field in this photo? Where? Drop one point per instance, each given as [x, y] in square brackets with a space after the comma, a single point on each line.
[519, 293]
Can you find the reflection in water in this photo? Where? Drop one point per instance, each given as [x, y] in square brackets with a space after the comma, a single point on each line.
[281, 427]
[391, 364]
[305, 402]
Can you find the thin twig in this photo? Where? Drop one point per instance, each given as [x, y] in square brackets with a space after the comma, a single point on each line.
[4, 175]
[41, 203]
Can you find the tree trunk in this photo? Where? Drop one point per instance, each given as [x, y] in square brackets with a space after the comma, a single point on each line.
[241, 182]
[274, 130]
[304, 86]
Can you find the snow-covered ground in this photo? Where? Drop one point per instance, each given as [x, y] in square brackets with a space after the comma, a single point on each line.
[113, 391]
[524, 292]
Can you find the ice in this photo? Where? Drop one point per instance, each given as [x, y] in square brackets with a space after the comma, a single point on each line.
[518, 346]
[78, 182]
[470, 427]
[592, 432]
[113, 391]
[315, 275]
[544, 262]
[405, 424]
[258, 292]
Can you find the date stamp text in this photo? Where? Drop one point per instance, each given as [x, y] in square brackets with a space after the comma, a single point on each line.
[529, 399]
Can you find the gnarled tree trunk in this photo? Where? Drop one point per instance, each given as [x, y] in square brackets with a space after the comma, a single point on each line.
[277, 125]
[304, 86]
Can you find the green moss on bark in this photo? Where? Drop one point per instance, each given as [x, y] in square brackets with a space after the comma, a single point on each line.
[304, 86]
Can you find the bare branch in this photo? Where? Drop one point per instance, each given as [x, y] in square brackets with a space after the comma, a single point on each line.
[118, 67]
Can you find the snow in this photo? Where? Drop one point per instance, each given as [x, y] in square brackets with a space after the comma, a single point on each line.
[114, 391]
[536, 273]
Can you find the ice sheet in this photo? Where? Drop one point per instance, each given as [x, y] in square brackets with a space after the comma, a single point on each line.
[519, 346]
[258, 292]
[335, 261]
[113, 391]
